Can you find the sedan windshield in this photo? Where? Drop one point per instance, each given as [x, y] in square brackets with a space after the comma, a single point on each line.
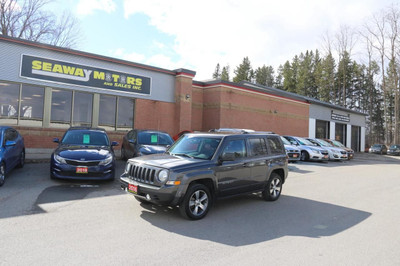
[337, 143]
[395, 147]
[324, 143]
[305, 142]
[85, 137]
[195, 147]
[154, 138]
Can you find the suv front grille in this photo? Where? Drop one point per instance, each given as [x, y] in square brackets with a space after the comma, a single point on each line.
[142, 174]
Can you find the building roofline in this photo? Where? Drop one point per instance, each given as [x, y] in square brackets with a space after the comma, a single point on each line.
[91, 55]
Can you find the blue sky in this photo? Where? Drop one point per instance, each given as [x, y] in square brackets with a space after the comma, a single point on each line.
[199, 34]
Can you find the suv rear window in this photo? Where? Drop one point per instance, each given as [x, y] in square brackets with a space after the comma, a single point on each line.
[275, 145]
[258, 146]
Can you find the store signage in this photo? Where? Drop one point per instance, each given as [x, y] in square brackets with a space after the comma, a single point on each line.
[338, 117]
[81, 75]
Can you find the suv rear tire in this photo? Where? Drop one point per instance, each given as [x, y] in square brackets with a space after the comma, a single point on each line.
[196, 202]
[273, 189]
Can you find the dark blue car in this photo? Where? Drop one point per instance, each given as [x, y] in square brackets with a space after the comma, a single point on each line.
[12, 151]
[84, 154]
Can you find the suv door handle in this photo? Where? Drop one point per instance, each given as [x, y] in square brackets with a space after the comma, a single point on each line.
[248, 164]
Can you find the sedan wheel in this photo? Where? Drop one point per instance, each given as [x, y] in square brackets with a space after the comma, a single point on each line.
[304, 156]
[2, 174]
[273, 188]
[22, 160]
[196, 203]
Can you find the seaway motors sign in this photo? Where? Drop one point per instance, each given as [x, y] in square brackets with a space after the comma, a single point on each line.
[82, 75]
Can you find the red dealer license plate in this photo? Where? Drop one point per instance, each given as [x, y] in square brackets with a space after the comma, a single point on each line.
[132, 188]
[81, 170]
[294, 155]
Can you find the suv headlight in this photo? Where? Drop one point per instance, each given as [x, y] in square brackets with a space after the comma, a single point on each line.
[127, 168]
[59, 159]
[106, 160]
[162, 176]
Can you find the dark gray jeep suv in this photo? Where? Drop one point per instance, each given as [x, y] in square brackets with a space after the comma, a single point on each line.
[201, 167]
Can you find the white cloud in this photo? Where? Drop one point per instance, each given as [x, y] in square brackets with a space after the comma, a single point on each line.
[268, 32]
[87, 7]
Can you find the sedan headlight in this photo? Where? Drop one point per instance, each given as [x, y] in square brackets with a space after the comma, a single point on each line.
[59, 159]
[162, 176]
[316, 151]
[127, 167]
[106, 161]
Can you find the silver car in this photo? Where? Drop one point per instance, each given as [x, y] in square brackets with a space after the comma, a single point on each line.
[308, 150]
[292, 152]
[335, 154]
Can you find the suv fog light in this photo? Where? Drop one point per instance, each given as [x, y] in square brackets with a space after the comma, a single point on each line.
[148, 197]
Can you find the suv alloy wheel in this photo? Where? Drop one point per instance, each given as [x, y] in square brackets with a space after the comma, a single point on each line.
[196, 203]
[273, 188]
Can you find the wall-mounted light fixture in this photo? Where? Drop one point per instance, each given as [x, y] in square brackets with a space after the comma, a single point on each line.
[187, 97]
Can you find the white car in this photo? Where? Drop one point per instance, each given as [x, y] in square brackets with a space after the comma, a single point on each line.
[309, 151]
[335, 154]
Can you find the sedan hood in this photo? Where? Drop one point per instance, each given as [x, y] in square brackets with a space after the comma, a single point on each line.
[87, 153]
[169, 161]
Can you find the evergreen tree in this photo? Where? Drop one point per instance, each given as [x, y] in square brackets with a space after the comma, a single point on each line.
[243, 71]
[279, 78]
[217, 72]
[225, 73]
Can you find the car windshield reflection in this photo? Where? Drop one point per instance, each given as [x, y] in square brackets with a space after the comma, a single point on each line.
[195, 147]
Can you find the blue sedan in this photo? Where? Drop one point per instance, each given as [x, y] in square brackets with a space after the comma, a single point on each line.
[84, 154]
[12, 151]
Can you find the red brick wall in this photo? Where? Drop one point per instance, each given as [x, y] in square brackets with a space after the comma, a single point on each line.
[234, 108]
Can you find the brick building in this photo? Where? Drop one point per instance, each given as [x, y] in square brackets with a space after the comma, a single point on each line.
[46, 89]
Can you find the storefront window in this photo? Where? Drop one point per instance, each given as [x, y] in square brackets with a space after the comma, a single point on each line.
[125, 112]
[340, 133]
[82, 109]
[322, 129]
[32, 98]
[107, 110]
[61, 102]
[9, 94]
[355, 138]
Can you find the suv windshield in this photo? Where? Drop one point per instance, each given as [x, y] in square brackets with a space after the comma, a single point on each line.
[198, 147]
[85, 137]
[154, 138]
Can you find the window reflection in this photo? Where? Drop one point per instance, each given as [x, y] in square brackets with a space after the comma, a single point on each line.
[9, 94]
[82, 109]
[125, 112]
[61, 102]
[32, 102]
[107, 110]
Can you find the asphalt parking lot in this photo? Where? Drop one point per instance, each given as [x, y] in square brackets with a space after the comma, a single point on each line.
[336, 213]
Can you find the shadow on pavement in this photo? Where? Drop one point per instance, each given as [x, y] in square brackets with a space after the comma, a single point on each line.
[248, 220]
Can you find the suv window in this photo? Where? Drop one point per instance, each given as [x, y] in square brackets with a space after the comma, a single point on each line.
[238, 147]
[258, 146]
[275, 145]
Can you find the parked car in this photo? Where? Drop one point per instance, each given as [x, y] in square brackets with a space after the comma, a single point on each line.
[144, 142]
[378, 148]
[12, 151]
[292, 152]
[350, 152]
[183, 132]
[335, 153]
[394, 149]
[200, 167]
[232, 130]
[309, 151]
[83, 153]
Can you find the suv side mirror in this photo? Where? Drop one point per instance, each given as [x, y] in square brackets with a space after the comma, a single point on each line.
[229, 156]
[133, 141]
[56, 140]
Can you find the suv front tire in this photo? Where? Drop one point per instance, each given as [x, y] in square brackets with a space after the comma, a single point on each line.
[196, 202]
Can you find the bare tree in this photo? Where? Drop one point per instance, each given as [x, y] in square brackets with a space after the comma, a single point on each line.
[393, 36]
[376, 31]
[344, 43]
[29, 20]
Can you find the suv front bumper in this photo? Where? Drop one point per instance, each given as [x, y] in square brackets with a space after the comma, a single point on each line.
[165, 195]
